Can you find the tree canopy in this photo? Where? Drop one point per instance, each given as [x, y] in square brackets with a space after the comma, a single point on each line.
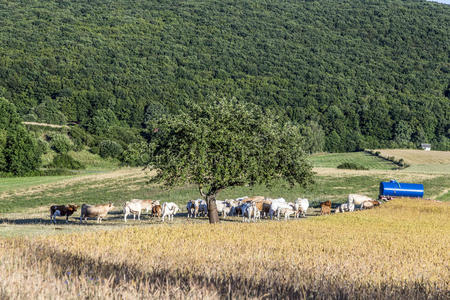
[225, 143]
[19, 151]
[357, 68]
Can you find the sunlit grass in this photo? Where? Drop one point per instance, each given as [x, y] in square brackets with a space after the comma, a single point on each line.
[397, 251]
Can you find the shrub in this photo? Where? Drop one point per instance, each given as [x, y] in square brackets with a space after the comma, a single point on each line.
[65, 161]
[42, 146]
[80, 138]
[60, 143]
[351, 166]
[109, 148]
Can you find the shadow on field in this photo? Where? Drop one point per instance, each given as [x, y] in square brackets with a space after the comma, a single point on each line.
[229, 287]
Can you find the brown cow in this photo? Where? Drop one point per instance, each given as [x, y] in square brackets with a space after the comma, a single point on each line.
[254, 198]
[61, 211]
[156, 210]
[370, 204]
[263, 206]
[325, 207]
[91, 211]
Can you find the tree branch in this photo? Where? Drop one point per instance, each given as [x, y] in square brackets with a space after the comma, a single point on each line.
[200, 189]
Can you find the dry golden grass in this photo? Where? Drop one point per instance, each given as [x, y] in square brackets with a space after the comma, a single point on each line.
[397, 251]
[413, 157]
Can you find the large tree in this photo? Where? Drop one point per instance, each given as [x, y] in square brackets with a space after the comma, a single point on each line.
[226, 143]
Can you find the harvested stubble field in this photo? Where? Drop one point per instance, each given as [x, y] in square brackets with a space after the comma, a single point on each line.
[397, 251]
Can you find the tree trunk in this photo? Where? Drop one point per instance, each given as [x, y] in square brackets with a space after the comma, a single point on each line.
[213, 215]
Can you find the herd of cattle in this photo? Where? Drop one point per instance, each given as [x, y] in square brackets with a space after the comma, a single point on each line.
[249, 208]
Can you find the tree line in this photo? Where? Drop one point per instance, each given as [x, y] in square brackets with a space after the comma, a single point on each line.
[353, 74]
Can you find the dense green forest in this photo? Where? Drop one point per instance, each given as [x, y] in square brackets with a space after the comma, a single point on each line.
[355, 74]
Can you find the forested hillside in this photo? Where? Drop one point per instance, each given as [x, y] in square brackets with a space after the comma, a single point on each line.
[362, 74]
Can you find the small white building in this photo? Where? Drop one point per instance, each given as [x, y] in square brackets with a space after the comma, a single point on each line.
[426, 147]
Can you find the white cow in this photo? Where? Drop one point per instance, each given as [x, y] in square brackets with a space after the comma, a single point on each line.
[345, 207]
[250, 211]
[301, 206]
[357, 199]
[284, 209]
[275, 203]
[223, 207]
[169, 209]
[145, 204]
[132, 207]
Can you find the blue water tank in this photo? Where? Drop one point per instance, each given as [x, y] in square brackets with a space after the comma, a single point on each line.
[397, 189]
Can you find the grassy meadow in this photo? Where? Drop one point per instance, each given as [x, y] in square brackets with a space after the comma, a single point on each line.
[397, 251]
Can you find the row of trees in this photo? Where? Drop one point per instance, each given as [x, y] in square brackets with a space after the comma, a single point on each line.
[370, 73]
[19, 151]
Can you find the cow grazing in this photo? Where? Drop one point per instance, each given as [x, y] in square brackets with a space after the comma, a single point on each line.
[345, 207]
[61, 211]
[132, 207]
[370, 204]
[357, 200]
[286, 210]
[91, 211]
[325, 207]
[169, 209]
[366, 205]
[157, 210]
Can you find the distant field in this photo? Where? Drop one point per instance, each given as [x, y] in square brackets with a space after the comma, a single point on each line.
[420, 161]
[332, 160]
[418, 157]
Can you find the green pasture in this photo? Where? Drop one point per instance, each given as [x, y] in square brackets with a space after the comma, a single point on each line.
[13, 183]
[117, 191]
[332, 160]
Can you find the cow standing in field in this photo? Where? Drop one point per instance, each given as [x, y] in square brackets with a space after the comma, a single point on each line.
[250, 211]
[157, 210]
[91, 211]
[192, 208]
[203, 208]
[145, 204]
[61, 211]
[223, 207]
[357, 200]
[169, 209]
[275, 203]
[132, 207]
[325, 207]
[301, 206]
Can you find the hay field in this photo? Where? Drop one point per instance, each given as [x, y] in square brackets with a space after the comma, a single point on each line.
[397, 251]
[437, 162]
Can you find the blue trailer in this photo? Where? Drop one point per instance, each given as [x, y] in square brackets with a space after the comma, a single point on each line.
[396, 189]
